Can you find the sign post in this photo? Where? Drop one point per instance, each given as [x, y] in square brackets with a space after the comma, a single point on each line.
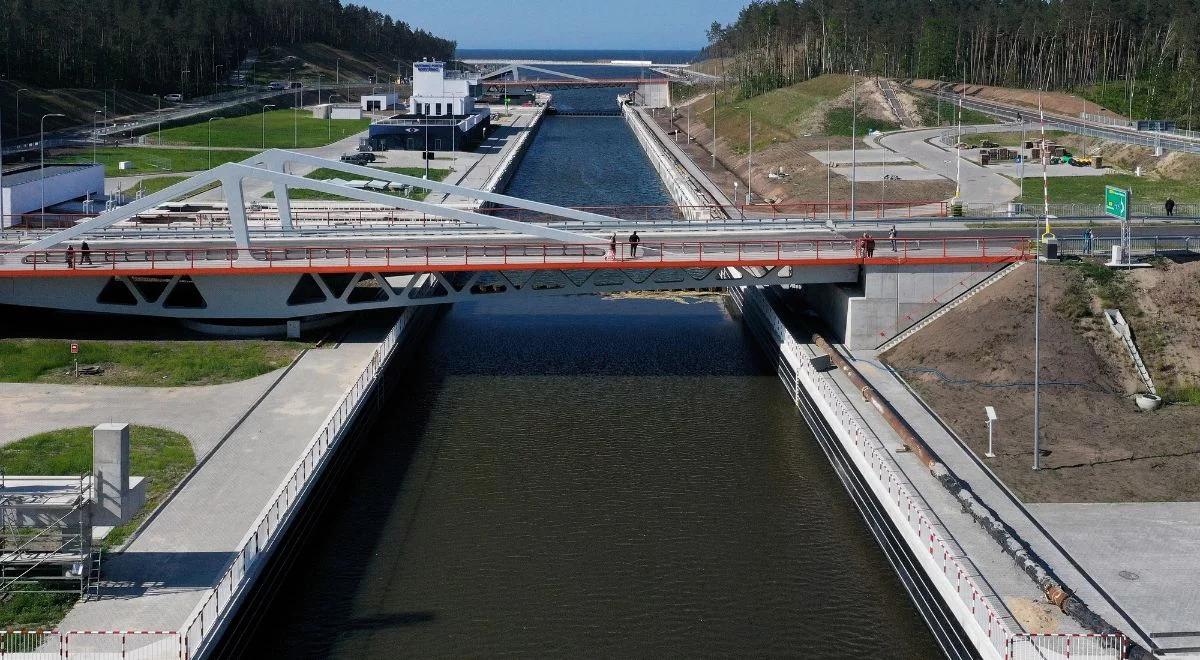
[1117, 204]
[75, 352]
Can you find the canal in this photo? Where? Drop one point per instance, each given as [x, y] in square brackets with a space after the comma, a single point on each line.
[583, 476]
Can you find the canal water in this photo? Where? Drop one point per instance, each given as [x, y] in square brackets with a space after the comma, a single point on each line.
[577, 476]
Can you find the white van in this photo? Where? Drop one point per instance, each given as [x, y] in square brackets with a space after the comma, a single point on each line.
[175, 98]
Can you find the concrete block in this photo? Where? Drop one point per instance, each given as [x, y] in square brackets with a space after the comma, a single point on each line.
[110, 470]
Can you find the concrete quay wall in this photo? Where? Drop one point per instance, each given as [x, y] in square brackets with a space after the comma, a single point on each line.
[682, 187]
[974, 606]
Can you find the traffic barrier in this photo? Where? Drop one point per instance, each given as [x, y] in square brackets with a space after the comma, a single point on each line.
[91, 645]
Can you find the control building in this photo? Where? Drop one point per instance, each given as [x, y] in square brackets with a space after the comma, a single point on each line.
[441, 114]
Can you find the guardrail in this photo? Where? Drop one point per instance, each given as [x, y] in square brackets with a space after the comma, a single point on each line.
[924, 534]
[620, 254]
[211, 612]
[1066, 646]
[90, 645]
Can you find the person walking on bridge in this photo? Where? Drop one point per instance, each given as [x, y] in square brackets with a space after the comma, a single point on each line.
[634, 239]
[70, 256]
[1170, 206]
[612, 246]
[892, 237]
[1087, 241]
[85, 254]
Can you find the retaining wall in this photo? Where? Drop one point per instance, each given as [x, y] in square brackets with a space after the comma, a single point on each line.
[679, 184]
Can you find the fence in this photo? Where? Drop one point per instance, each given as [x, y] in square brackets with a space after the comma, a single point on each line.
[210, 614]
[90, 645]
[923, 534]
[1066, 647]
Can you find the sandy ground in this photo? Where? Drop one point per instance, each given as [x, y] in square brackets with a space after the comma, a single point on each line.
[1098, 447]
[1168, 330]
[1058, 102]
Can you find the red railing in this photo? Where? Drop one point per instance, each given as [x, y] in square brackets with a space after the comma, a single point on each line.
[521, 256]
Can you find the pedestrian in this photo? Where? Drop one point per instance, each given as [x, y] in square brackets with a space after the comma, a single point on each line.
[612, 246]
[868, 246]
[70, 256]
[892, 237]
[1087, 241]
[85, 254]
[634, 239]
[1170, 206]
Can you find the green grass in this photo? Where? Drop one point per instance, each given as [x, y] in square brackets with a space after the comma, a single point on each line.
[163, 457]
[1090, 189]
[1182, 394]
[27, 609]
[149, 161]
[247, 131]
[326, 173]
[780, 115]
[927, 107]
[144, 363]
[838, 122]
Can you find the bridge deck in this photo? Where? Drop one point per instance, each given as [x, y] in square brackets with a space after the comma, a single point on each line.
[522, 256]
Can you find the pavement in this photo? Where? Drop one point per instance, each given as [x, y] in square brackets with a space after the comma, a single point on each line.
[978, 183]
[30, 408]
[185, 547]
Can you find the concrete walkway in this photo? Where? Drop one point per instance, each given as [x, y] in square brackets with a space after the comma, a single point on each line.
[988, 489]
[978, 185]
[30, 408]
[184, 549]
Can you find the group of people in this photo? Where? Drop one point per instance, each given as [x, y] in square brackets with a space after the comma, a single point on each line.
[865, 246]
[85, 254]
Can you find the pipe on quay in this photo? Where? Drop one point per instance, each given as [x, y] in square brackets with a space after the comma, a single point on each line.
[1010, 543]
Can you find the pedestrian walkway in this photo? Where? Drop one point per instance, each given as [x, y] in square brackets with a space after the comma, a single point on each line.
[185, 547]
[963, 463]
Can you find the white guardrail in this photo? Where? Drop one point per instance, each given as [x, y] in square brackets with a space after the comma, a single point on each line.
[209, 614]
[942, 559]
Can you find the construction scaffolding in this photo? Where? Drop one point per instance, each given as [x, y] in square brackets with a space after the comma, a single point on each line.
[46, 535]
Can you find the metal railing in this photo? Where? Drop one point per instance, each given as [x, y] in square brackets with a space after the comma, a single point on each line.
[924, 531]
[1066, 646]
[90, 645]
[501, 256]
[210, 613]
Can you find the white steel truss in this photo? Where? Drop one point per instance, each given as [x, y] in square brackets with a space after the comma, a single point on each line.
[269, 166]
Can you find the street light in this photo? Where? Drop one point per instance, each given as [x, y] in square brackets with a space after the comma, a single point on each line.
[750, 158]
[264, 124]
[23, 89]
[209, 124]
[95, 135]
[42, 169]
[853, 138]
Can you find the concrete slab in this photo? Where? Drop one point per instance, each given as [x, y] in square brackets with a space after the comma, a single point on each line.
[1142, 553]
[860, 155]
[877, 172]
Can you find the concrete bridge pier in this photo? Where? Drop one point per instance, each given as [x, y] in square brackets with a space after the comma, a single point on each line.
[888, 299]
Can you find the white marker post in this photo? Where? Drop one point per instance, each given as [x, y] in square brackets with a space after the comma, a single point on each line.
[75, 352]
[991, 424]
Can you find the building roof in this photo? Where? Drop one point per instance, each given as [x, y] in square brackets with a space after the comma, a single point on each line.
[26, 175]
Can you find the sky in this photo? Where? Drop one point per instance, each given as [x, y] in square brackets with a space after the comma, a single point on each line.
[565, 24]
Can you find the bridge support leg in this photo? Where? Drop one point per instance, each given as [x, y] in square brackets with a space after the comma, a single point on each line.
[232, 187]
[284, 204]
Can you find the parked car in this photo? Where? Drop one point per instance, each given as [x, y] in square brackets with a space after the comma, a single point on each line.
[176, 98]
[359, 158]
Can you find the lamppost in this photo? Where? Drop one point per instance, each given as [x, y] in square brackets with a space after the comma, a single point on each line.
[23, 89]
[750, 159]
[209, 124]
[159, 118]
[295, 119]
[264, 124]
[853, 138]
[42, 168]
[216, 78]
[714, 145]
[95, 135]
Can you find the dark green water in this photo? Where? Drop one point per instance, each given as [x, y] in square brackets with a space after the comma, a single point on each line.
[577, 476]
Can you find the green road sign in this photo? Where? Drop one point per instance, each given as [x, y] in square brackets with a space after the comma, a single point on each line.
[1116, 202]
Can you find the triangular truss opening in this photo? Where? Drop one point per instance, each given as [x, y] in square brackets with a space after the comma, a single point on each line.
[185, 295]
[367, 289]
[306, 292]
[336, 282]
[150, 287]
[116, 293]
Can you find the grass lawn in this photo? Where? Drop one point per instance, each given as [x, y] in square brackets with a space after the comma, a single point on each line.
[146, 363]
[927, 106]
[163, 457]
[779, 115]
[150, 161]
[325, 173]
[1090, 189]
[31, 610]
[838, 122]
[247, 131]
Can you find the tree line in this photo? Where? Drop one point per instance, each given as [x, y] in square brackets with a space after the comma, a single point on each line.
[163, 46]
[1142, 49]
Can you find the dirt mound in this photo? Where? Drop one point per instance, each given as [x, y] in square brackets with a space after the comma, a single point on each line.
[1055, 102]
[1167, 328]
[1100, 449]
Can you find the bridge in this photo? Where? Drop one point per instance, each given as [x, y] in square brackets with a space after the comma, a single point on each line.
[231, 273]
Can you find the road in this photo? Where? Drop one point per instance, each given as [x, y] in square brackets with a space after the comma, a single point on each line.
[978, 184]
